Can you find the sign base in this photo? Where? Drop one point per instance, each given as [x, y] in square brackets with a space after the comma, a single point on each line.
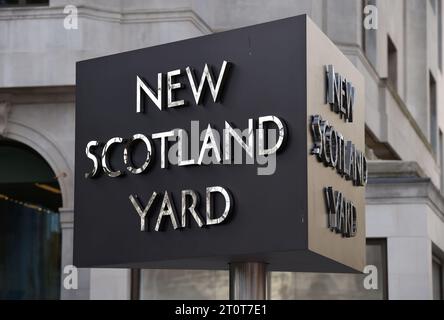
[248, 281]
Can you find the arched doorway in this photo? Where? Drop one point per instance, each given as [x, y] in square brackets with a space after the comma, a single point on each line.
[30, 239]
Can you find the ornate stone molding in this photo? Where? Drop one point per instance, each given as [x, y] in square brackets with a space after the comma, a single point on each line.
[394, 168]
[402, 182]
[110, 15]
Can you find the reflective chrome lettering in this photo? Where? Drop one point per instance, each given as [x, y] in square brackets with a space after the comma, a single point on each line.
[142, 213]
[93, 157]
[105, 165]
[209, 205]
[206, 75]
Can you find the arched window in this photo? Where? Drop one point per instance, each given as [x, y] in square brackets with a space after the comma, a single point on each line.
[30, 241]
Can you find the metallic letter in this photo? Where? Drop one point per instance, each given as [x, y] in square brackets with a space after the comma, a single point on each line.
[354, 223]
[142, 213]
[230, 132]
[350, 101]
[364, 171]
[171, 86]
[192, 208]
[350, 159]
[340, 203]
[330, 94]
[207, 75]
[127, 154]
[317, 136]
[334, 83]
[281, 130]
[150, 93]
[106, 167]
[331, 147]
[324, 126]
[167, 209]
[163, 137]
[358, 168]
[209, 143]
[341, 154]
[93, 157]
[209, 205]
[332, 207]
[182, 140]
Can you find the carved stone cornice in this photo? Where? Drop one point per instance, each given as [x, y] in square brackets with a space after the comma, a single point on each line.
[402, 182]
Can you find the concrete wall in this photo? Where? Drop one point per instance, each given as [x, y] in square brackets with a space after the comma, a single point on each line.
[407, 210]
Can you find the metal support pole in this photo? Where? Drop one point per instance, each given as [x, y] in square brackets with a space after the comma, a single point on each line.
[248, 281]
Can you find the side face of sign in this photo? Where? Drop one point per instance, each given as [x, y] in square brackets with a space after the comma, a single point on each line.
[202, 152]
[336, 168]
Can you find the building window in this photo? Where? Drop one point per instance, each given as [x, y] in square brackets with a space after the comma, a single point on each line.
[205, 284]
[289, 285]
[392, 64]
[433, 114]
[12, 3]
[30, 231]
[437, 278]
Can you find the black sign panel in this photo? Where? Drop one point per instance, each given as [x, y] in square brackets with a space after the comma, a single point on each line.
[264, 77]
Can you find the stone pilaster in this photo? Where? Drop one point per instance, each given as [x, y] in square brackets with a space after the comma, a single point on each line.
[67, 229]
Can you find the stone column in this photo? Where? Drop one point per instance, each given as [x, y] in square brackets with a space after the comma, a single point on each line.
[67, 229]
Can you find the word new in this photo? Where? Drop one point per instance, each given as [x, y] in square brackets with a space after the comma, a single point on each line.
[171, 85]
[340, 94]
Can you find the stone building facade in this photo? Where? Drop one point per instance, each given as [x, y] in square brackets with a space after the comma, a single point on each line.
[401, 61]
